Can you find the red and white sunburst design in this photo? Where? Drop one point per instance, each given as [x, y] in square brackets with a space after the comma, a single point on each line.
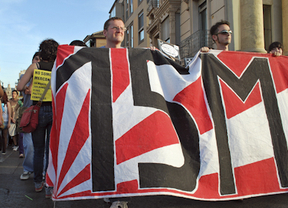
[68, 156]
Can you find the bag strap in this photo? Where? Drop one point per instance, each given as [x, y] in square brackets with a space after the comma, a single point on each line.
[45, 91]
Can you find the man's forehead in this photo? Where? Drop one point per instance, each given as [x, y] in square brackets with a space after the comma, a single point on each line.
[116, 22]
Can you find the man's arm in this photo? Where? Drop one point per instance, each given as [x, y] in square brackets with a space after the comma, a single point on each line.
[1, 91]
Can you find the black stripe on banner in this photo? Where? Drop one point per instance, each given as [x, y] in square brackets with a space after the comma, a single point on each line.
[153, 175]
[101, 123]
[101, 112]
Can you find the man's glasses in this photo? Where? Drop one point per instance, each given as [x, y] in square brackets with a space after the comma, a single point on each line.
[224, 32]
[119, 28]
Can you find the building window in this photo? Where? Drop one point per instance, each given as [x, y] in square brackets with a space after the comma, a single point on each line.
[165, 30]
[267, 25]
[141, 27]
[177, 29]
[129, 36]
[131, 7]
[139, 2]
[127, 9]
[113, 12]
[202, 9]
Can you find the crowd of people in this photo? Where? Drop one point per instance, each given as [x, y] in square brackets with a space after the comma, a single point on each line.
[34, 147]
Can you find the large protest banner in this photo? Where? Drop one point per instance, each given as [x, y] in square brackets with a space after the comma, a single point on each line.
[134, 123]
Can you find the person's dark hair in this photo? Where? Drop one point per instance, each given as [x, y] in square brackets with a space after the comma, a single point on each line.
[214, 28]
[273, 45]
[78, 43]
[48, 50]
[106, 24]
[36, 54]
[4, 98]
[15, 91]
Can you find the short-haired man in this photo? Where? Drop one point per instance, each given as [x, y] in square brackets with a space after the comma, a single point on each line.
[221, 34]
[114, 30]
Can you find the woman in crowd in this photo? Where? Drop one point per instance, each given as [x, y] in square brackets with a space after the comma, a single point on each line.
[6, 113]
[48, 50]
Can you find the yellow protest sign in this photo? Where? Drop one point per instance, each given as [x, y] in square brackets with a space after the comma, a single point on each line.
[40, 80]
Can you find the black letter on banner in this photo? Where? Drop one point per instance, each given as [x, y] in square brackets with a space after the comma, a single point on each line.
[101, 112]
[153, 175]
[257, 70]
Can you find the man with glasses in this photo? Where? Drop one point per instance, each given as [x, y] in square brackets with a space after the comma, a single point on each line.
[114, 30]
[221, 35]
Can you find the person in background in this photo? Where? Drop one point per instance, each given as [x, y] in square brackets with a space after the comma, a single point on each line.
[12, 130]
[78, 43]
[276, 49]
[20, 135]
[6, 113]
[1, 121]
[48, 52]
[27, 137]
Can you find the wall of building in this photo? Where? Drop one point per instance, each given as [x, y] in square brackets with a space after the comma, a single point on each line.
[185, 21]
[235, 11]
[137, 9]
[100, 42]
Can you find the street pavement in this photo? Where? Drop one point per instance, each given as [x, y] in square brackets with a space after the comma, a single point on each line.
[15, 193]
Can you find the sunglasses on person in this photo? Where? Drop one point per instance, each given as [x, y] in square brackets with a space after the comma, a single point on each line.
[225, 32]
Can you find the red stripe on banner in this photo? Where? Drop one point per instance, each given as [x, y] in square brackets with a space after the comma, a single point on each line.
[120, 71]
[145, 137]
[279, 70]
[127, 187]
[256, 178]
[192, 97]
[57, 121]
[81, 177]
[78, 138]
[63, 52]
[231, 100]
[208, 186]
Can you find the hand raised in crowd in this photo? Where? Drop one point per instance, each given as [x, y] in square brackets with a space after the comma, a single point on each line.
[276, 54]
[153, 48]
[204, 49]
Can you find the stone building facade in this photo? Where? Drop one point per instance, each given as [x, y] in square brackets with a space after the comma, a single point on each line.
[255, 23]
